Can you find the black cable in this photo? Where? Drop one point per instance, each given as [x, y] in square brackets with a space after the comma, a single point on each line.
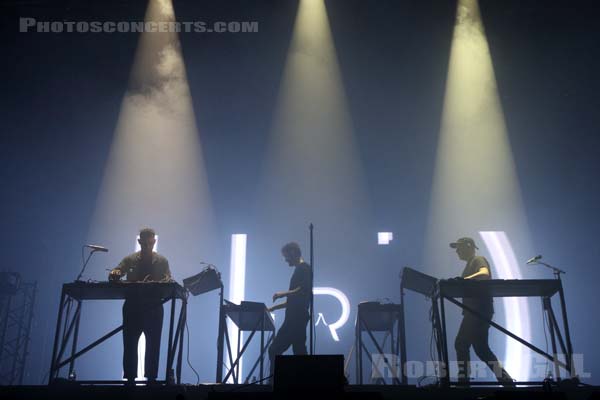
[420, 379]
[431, 352]
[188, 353]
[249, 384]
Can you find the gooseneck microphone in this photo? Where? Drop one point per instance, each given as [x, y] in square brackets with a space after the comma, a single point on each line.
[95, 247]
[534, 259]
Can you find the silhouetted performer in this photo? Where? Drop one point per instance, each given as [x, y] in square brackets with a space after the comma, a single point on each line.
[293, 330]
[142, 314]
[473, 331]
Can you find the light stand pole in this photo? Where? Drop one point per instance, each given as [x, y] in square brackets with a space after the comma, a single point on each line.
[312, 285]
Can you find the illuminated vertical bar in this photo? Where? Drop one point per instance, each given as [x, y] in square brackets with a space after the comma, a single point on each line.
[237, 283]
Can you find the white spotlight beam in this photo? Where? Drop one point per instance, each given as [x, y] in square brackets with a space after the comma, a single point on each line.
[155, 175]
[312, 141]
[475, 183]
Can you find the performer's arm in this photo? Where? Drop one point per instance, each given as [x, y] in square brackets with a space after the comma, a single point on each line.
[167, 277]
[277, 307]
[280, 295]
[120, 270]
[302, 288]
[483, 272]
[481, 266]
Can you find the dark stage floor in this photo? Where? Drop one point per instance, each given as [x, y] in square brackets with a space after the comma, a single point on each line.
[182, 392]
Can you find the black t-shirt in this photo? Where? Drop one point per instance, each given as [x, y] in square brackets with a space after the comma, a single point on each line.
[483, 304]
[138, 270]
[298, 303]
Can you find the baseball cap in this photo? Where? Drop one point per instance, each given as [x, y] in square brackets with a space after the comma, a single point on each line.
[464, 241]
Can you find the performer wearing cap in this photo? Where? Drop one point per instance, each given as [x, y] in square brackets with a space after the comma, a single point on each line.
[473, 331]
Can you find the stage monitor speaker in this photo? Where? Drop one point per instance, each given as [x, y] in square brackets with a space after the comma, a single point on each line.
[309, 374]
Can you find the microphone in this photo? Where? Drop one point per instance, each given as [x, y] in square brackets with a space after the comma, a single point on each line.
[96, 248]
[534, 259]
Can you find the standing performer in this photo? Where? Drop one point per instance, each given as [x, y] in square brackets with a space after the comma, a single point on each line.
[473, 331]
[142, 314]
[293, 331]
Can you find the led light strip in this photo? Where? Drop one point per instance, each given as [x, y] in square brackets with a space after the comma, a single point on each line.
[516, 309]
[237, 286]
[341, 297]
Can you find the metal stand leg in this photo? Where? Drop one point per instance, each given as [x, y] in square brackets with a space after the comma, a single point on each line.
[259, 360]
[53, 364]
[231, 371]
[556, 329]
[262, 348]
[239, 339]
[220, 339]
[359, 352]
[545, 300]
[402, 339]
[569, 355]
[75, 337]
[170, 355]
[444, 340]
[236, 363]
[183, 321]
[381, 352]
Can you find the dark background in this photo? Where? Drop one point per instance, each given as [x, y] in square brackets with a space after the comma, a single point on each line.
[61, 96]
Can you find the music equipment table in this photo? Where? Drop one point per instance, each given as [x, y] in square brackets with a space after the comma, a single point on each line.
[250, 317]
[499, 287]
[376, 317]
[69, 316]
[440, 291]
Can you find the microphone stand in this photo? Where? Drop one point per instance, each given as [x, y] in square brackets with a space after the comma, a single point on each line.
[555, 271]
[85, 263]
[312, 285]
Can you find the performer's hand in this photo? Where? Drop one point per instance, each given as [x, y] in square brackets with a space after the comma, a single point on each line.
[114, 275]
[278, 295]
